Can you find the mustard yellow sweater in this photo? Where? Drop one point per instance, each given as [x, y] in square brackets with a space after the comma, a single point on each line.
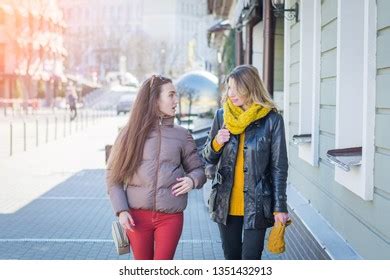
[237, 197]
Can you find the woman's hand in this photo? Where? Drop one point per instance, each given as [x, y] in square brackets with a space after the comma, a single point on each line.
[281, 217]
[222, 136]
[126, 220]
[184, 186]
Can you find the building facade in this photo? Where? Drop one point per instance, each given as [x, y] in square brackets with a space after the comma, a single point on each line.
[167, 36]
[328, 69]
[335, 90]
[32, 53]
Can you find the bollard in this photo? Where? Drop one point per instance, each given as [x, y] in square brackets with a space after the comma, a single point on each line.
[64, 126]
[24, 137]
[107, 149]
[77, 123]
[55, 128]
[10, 140]
[47, 130]
[36, 130]
[82, 120]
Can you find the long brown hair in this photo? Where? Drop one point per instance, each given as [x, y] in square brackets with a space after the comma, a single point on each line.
[250, 86]
[127, 152]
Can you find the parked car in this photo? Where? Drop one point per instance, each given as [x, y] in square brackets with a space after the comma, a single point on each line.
[124, 104]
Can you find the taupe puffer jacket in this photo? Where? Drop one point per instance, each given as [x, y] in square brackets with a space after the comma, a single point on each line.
[169, 153]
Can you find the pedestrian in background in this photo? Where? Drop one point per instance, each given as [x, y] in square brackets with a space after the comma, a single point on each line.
[71, 96]
[152, 167]
[247, 144]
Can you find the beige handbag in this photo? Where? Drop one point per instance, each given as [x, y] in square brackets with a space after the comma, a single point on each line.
[121, 241]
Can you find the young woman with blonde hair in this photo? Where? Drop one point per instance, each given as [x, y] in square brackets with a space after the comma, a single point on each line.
[247, 143]
[152, 167]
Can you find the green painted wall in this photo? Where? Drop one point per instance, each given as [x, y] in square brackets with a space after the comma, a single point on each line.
[363, 224]
[279, 55]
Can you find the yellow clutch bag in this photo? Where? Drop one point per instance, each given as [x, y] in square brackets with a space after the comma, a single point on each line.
[276, 244]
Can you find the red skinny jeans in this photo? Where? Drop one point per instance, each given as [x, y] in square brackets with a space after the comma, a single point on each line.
[155, 235]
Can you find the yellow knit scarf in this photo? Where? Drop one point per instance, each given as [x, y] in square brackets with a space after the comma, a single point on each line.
[237, 120]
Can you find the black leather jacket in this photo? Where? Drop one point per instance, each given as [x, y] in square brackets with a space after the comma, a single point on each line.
[265, 171]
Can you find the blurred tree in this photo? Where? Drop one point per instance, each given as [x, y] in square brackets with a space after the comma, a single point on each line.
[41, 89]
[18, 93]
[228, 56]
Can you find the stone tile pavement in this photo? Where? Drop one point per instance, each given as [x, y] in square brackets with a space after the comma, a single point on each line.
[53, 203]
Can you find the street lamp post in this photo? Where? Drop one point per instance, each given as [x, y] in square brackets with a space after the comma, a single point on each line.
[162, 58]
[280, 11]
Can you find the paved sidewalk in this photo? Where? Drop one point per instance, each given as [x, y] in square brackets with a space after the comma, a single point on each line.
[53, 203]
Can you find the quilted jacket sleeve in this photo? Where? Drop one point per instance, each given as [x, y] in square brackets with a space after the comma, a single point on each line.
[192, 163]
[279, 164]
[208, 153]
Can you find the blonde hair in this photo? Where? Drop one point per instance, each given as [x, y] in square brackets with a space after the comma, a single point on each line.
[249, 86]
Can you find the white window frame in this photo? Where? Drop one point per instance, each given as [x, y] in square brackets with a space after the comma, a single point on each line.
[286, 84]
[355, 91]
[309, 78]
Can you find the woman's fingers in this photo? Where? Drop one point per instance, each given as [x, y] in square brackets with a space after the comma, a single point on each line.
[184, 189]
[126, 221]
[177, 185]
[281, 217]
[224, 133]
[179, 190]
[131, 221]
[223, 136]
[126, 225]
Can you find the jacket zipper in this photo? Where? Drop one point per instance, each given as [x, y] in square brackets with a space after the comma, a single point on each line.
[158, 163]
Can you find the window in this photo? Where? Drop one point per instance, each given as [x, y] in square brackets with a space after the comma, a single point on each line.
[355, 93]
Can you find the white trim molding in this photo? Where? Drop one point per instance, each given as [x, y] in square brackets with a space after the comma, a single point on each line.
[309, 79]
[286, 79]
[322, 231]
[355, 91]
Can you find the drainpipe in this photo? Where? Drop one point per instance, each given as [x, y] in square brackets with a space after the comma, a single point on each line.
[249, 40]
[269, 46]
[239, 50]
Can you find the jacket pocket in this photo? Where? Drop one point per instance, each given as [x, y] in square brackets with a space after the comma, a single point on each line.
[264, 199]
[217, 181]
[212, 199]
[267, 204]
[263, 144]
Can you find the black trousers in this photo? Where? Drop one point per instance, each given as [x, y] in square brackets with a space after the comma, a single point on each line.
[239, 245]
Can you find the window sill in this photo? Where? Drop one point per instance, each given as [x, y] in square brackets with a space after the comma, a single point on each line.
[301, 138]
[345, 158]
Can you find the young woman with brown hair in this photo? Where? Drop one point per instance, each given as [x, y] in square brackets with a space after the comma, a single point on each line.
[152, 167]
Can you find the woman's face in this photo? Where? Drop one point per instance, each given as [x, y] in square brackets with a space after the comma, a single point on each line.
[167, 102]
[233, 94]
